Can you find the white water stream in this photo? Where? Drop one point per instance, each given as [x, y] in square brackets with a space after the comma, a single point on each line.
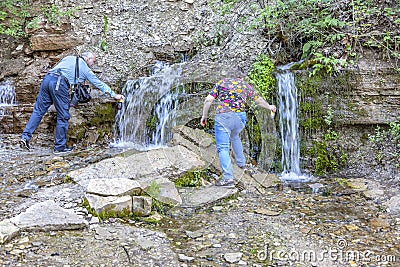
[150, 103]
[7, 99]
[7, 96]
[288, 125]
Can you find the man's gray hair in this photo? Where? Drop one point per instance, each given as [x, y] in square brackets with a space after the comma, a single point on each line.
[87, 55]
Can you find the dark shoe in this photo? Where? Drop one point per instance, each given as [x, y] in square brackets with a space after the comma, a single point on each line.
[63, 151]
[24, 144]
[225, 182]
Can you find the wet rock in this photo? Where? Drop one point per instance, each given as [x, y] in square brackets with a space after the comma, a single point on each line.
[393, 204]
[379, 223]
[267, 212]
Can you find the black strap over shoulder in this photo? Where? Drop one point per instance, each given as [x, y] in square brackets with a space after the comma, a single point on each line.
[76, 78]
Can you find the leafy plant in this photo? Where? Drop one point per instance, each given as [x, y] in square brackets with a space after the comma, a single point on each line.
[261, 75]
[53, 14]
[15, 15]
[328, 33]
[192, 178]
[103, 43]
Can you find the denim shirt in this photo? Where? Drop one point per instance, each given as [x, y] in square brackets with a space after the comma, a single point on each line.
[67, 68]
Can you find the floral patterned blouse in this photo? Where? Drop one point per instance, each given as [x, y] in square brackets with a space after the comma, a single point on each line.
[233, 93]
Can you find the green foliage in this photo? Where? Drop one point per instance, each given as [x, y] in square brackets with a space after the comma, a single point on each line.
[12, 17]
[327, 159]
[328, 33]
[329, 116]
[327, 154]
[192, 178]
[261, 75]
[390, 135]
[68, 179]
[53, 14]
[154, 191]
[107, 213]
[326, 64]
[103, 43]
[15, 15]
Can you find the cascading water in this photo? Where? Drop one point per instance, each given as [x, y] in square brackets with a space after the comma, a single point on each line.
[150, 103]
[7, 96]
[288, 124]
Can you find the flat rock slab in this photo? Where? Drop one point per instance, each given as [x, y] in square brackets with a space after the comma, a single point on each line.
[46, 216]
[166, 162]
[197, 197]
[113, 187]
[8, 230]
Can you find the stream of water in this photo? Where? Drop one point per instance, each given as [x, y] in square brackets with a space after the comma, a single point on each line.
[288, 125]
[147, 115]
[7, 100]
[7, 96]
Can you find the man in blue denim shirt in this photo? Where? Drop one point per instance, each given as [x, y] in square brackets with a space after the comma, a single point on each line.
[54, 89]
[230, 119]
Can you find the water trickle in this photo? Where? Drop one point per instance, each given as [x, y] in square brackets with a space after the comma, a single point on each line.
[7, 100]
[7, 96]
[147, 115]
[288, 124]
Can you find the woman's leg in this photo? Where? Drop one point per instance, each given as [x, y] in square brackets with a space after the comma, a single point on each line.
[222, 137]
[237, 146]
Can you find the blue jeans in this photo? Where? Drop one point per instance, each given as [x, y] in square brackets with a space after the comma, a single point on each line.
[227, 128]
[50, 93]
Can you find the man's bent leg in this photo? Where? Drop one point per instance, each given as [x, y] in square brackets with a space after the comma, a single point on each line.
[42, 104]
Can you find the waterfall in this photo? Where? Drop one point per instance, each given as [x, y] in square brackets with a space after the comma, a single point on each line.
[148, 112]
[7, 96]
[7, 100]
[288, 124]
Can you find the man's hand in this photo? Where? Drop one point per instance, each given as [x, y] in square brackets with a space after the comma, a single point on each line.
[272, 108]
[119, 97]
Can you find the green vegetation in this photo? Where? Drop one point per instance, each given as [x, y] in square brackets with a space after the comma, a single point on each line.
[383, 139]
[390, 135]
[328, 34]
[18, 15]
[103, 119]
[261, 75]
[68, 179]
[154, 191]
[328, 156]
[107, 213]
[327, 153]
[103, 43]
[193, 178]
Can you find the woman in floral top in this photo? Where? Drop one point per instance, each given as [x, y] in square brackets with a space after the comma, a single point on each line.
[233, 95]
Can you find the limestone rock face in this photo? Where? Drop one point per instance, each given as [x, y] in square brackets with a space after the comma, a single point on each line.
[139, 34]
